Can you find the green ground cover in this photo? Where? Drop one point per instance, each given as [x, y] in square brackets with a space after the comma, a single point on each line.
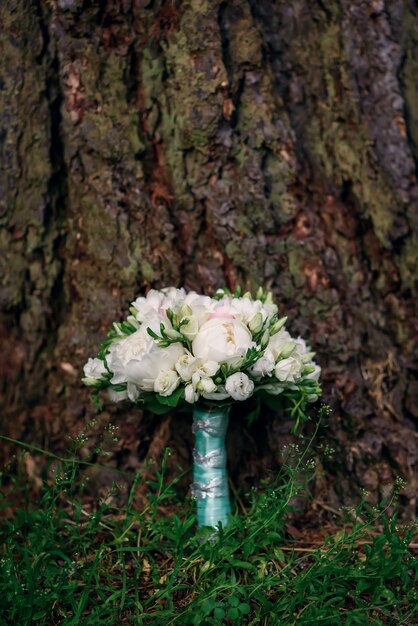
[65, 562]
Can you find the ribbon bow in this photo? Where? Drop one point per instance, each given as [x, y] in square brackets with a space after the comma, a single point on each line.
[215, 488]
[215, 426]
[216, 458]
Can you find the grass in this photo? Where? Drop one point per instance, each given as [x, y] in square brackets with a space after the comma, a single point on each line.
[64, 563]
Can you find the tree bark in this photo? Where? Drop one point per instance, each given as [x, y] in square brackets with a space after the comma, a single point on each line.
[201, 143]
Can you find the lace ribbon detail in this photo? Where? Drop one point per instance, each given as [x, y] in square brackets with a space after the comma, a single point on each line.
[215, 488]
[215, 426]
[216, 458]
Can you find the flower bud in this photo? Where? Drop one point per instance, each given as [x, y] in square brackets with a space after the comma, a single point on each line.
[173, 334]
[277, 325]
[307, 358]
[133, 321]
[185, 311]
[190, 394]
[256, 323]
[206, 385]
[287, 349]
[118, 329]
[265, 339]
[189, 327]
[91, 382]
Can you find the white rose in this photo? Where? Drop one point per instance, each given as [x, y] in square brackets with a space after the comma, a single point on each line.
[264, 366]
[223, 340]
[239, 386]
[166, 382]
[281, 344]
[95, 369]
[288, 370]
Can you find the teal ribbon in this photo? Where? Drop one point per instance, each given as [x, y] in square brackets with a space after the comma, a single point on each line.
[210, 486]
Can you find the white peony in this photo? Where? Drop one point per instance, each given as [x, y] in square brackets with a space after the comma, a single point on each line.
[223, 340]
[264, 366]
[144, 371]
[245, 309]
[158, 302]
[166, 382]
[148, 305]
[95, 369]
[138, 359]
[239, 386]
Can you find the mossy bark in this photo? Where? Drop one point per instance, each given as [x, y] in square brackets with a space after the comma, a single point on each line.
[201, 143]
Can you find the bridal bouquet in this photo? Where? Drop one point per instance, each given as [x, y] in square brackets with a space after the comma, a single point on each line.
[177, 348]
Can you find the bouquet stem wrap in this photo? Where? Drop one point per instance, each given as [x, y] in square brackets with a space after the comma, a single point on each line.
[210, 475]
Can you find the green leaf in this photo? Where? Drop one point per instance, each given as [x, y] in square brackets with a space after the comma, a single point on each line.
[155, 407]
[273, 402]
[233, 613]
[152, 333]
[244, 608]
[208, 606]
[255, 411]
[172, 400]
[119, 387]
[242, 564]
[219, 613]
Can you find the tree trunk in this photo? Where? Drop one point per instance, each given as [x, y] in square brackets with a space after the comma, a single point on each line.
[202, 143]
